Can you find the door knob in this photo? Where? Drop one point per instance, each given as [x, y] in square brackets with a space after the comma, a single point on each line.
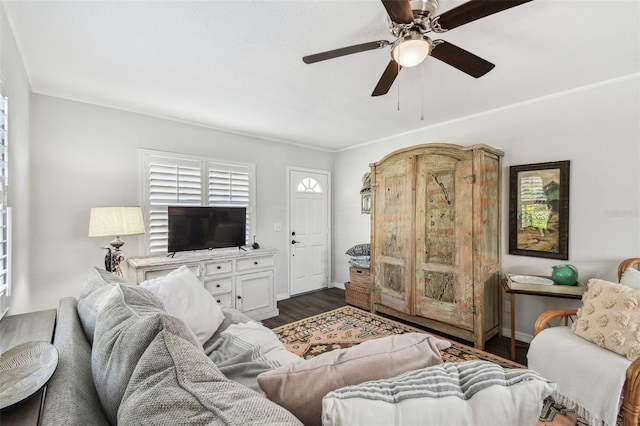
[294, 242]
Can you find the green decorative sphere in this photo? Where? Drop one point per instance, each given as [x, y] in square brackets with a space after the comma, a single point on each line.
[565, 275]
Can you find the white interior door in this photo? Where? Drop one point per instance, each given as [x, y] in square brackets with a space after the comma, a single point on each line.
[308, 230]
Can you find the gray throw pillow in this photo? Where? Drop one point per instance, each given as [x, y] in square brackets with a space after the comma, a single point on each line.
[359, 250]
[176, 384]
[129, 319]
[98, 283]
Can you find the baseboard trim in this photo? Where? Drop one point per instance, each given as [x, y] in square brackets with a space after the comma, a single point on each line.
[338, 285]
[521, 337]
[282, 296]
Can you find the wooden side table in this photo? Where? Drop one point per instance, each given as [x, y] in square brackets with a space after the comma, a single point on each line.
[560, 291]
[17, 329]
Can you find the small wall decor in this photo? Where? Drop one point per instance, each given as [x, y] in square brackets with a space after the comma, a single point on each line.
[365, 194]
[539, 210]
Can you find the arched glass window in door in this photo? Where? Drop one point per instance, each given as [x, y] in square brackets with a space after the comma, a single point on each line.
[309, 184]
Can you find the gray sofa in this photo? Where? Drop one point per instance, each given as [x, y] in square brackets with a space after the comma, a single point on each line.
[123, 360]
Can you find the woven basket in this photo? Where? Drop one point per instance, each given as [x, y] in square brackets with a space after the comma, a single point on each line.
[358, 295]
[359, 276]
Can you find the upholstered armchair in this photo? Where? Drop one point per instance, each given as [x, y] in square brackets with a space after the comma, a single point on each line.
[573, 359]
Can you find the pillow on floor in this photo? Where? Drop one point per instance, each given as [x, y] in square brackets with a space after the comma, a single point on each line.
[183, 295]
[610, 317]
[300, 387]
[466, 393]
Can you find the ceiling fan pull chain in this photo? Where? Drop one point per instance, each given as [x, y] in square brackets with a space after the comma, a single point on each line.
[398, 88]
[422, 91]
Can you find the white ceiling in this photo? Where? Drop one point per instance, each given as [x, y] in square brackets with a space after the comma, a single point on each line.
[236, 65]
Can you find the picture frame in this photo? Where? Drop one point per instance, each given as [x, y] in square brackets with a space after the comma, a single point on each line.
[539, 210]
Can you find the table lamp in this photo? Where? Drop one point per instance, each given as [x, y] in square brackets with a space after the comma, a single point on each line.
[115, 221]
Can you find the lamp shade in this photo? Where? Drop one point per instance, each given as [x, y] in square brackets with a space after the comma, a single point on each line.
[411, 50]
[115, 221]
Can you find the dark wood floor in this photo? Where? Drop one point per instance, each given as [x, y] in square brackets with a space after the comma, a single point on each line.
[306, 305]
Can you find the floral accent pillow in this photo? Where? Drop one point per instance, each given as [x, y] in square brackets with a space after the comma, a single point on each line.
[610, 318]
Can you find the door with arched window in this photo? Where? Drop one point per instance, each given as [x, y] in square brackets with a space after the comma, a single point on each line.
[309, 230]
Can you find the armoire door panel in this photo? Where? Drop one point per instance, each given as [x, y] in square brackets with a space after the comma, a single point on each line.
[393, 254]
[444, 276]
[440, 226]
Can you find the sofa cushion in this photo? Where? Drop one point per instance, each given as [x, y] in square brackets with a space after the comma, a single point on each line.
[299, 387]
[175, 384]
[183, 295]
[466, 393]
[97, 284]
[129, 319]
[71, 396]
[610, 318]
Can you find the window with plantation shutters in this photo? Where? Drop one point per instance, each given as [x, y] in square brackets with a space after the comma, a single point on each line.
[229, 186]
[177, 180]
[5, 211]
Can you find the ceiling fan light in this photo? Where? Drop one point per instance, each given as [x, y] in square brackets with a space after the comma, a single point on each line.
[411, 51]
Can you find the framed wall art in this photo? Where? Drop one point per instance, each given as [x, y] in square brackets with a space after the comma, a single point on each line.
[539, 210]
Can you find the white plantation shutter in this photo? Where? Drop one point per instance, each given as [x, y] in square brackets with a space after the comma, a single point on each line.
[5, 211]
[229, 186]
[176, 180]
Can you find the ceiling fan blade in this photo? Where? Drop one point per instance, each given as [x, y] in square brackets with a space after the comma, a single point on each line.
[399, 11]
[459, 58]
[474, 10]
[330, 54]
[388, 77]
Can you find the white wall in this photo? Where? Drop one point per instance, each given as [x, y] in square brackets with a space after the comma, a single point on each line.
[84, 156]
[597, 128]
[67, 157]
[18, 91]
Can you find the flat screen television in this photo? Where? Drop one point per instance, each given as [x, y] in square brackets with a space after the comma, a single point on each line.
[198, 228]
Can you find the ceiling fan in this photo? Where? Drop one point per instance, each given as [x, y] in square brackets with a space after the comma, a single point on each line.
[409, 22]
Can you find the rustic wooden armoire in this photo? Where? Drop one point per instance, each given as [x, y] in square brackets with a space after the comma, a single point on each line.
[435, 238]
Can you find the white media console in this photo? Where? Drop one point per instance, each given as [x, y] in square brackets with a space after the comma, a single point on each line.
[238, 279]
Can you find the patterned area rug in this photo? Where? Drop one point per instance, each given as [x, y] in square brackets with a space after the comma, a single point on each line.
[348, 326]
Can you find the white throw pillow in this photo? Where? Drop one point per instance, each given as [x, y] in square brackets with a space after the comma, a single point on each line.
[465, 393]
[631, 278]
[183, 296]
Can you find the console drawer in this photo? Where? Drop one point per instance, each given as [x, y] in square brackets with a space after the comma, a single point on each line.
[214, 268]
[255, 263]
[224, 300]
[161, 272]
[220, 285]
